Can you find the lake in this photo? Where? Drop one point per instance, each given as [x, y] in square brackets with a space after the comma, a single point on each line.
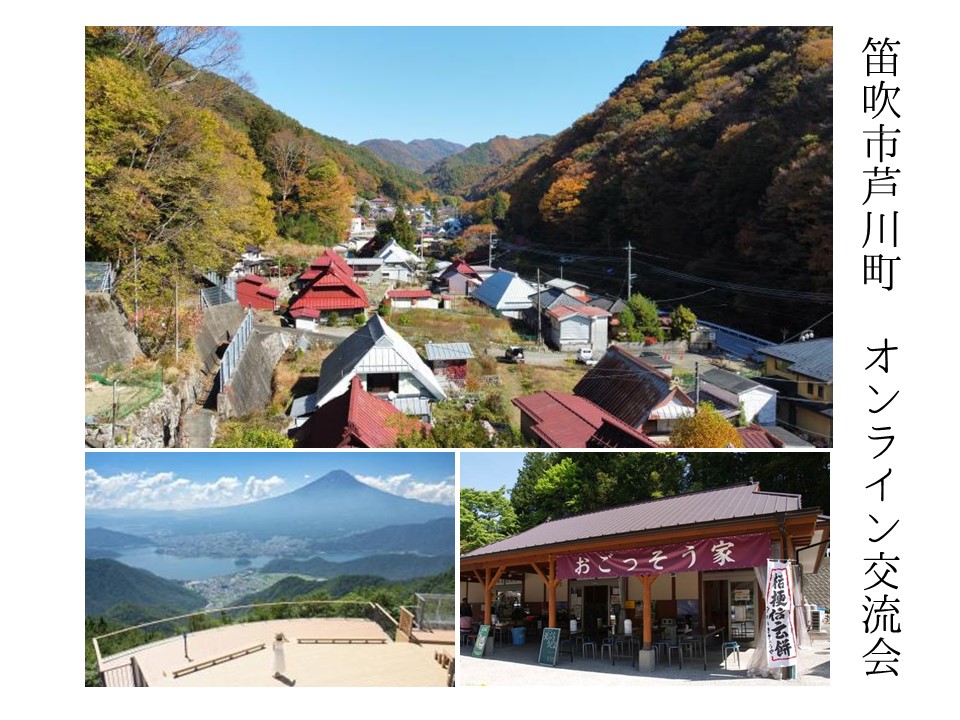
[200, 568]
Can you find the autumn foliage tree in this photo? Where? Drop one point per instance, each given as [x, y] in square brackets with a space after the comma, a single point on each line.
[705, 429]
[167, 180]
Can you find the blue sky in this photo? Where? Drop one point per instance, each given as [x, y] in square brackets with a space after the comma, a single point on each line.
[462, 84]
[488, 470]
[182, 480]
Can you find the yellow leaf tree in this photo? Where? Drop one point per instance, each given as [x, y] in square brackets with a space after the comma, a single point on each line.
[706, 429]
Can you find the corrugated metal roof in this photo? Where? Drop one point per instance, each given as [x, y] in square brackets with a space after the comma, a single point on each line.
[786, 437]
[448, 351]
[726, 380]
[409, 294]
[610, 304]
[303, 405]
[416, 406]
[627, 387]
[388, 352]
[813, 358]
[565, 284]
[553, 297]
[755, 438]
[563, 420]
[505, 290]
[673, 407]
[354, 419]
[729, 503]
[562, 312]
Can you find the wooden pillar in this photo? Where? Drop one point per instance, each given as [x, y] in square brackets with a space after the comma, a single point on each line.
[488, 585]
[647, 581]
[487, 603]
[552, 597]
[551, 581]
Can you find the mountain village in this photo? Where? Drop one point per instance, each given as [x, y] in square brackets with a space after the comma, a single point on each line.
[407, 339]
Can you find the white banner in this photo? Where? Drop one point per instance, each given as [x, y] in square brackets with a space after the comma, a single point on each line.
[780, 628]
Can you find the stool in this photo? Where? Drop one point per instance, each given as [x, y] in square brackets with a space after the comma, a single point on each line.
[581, 639]
[670, 649]
[589, 643]
[697, 643]
[686, 645]
[471, 638]
[608, 646]
[733, 647]
[659, 646]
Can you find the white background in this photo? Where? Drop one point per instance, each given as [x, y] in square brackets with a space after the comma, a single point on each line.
[43, 499]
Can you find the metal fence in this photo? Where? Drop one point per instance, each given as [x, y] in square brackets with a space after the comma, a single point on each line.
[132, 390]
[234, 352]
[224, 290]
[436, 612]
[119, 641]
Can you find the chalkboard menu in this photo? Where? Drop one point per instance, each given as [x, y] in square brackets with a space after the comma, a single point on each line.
[549, 646]
[481, 644]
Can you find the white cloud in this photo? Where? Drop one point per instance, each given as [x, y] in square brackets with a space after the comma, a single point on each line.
[166, 491]
[405, 485]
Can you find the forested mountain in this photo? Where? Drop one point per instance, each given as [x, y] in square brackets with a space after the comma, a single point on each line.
[457, 174]
[102, 543]
[391, 567]
[714, 161]
[111, 585]
[416, 155]
[429, 538]
[184, 167]
[361, 586]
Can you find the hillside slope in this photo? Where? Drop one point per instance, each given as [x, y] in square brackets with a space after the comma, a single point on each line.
[714, 161]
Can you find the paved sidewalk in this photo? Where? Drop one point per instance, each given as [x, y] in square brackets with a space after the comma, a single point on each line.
[512, 665]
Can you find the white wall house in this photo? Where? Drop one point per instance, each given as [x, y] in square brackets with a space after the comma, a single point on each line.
[759, 401]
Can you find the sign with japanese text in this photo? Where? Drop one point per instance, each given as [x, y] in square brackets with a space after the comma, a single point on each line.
[779, 615]
[481, 642]
[725, 553]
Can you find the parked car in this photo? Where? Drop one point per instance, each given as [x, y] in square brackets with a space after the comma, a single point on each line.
[513, 354]
[585, 356]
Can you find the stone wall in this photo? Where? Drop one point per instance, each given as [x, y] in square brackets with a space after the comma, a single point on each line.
[156, 425]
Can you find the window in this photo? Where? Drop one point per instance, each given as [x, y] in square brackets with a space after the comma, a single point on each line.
[383, 382]
[809, 388]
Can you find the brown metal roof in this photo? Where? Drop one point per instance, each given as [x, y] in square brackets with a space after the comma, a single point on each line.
[563, 420]
[729, 503]
[626, 387]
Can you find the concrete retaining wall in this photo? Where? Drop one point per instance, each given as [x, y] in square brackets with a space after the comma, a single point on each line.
[251, 387]
[220, 324]
[109, 340]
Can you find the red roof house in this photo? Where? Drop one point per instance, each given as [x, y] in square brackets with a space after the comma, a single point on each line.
[562, 420]
[355, 419]
[327, 286]
[253, 291]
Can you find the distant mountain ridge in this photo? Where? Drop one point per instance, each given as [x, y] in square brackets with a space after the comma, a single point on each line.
[416, 155]
[330, 507]
[391, 567]
[430, 538]
[458, 173]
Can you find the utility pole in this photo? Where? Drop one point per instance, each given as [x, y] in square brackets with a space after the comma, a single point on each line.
[176, 319]
[629, 249]
[539, 332]
[696, 387]
[490, 250]
[136, 294]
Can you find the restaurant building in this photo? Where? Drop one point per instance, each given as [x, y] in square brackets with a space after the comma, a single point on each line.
[685, 562]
